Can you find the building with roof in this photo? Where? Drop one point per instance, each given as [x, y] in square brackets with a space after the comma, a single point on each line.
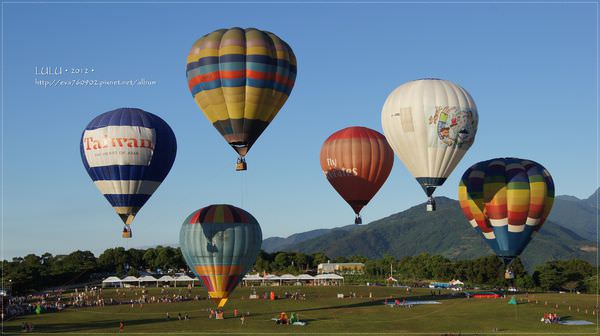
[341, 268]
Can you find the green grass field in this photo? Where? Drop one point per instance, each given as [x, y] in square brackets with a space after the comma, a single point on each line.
[325, 314]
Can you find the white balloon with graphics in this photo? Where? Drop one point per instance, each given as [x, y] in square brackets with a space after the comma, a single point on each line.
[430, 124]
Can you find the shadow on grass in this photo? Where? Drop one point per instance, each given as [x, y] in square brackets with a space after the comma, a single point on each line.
[75, 327]
[378, 302]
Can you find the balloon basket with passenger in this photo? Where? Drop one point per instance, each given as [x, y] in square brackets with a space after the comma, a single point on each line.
[508, 271]
[431, 204]
[241, 164]
[127, 233]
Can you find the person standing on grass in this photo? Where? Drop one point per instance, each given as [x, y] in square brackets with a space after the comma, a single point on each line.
[121, 326]
[243, 319]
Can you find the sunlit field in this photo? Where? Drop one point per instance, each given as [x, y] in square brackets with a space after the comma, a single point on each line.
[324, 313]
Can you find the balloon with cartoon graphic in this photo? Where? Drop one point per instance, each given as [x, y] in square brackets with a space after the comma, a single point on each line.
[240, 79]
[506, 200]
[430, 124]
[127, 152]
[219, 244]
[356, 161]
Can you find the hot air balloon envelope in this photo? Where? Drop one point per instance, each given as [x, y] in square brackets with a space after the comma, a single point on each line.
[241, 78]
[128, 152]
[220, 243]
[506, 200]
[356, 161]
[430, 124]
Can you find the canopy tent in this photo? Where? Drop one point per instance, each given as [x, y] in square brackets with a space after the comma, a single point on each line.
[331, 276]
[329, 279]
[456, 283]
[278, 279]
[306, 278]
[112, 281]
[148, 278]
[166, 278]
[130, 278]
[287, 277]
[251, 278]
[184, 278]
[271, 278]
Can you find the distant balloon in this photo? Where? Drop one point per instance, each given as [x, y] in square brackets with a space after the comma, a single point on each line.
[506, 200]
[220, 243]
[128, 152]
[356, 161]
[241, 78]
[430, 124]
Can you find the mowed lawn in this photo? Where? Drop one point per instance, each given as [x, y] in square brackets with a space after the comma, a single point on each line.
[325, 313]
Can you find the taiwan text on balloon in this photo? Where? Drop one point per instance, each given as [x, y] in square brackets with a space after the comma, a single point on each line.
[128, 152]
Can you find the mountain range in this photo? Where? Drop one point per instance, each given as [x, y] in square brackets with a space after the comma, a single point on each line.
[570, 232]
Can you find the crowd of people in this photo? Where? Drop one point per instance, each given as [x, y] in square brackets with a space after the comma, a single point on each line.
[55, 301]
[297, 295]
[23, 305]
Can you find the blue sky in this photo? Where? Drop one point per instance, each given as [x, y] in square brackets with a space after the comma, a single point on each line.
[531, 68]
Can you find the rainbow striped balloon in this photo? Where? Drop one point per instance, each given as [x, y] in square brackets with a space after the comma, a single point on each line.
[220, 243]
[506, 200]
[241, 78]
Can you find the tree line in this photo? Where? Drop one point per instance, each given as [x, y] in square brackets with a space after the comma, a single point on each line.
[35, 273]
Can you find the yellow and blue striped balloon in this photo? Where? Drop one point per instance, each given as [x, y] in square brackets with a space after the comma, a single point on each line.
[241, 78]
